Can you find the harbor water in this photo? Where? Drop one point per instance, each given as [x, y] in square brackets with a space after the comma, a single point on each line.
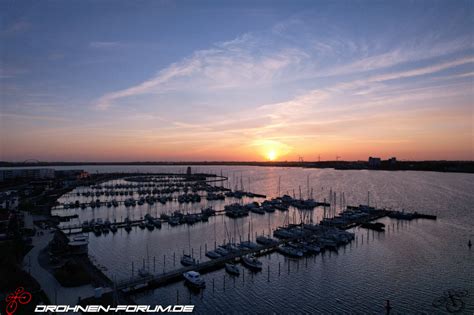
[411, 264]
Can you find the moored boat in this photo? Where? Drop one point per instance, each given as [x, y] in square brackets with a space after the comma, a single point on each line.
[251, 262]
[232, 269]
[194, 279]
[212, 254]
[187, 260]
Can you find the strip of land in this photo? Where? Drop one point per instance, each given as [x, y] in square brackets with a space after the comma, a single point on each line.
[433, 166]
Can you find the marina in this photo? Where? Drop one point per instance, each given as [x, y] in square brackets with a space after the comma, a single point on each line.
[283, 231]
[302, 237]
[237, 157]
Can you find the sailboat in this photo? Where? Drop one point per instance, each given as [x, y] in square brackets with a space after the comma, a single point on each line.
[251, 262]
[212, 253]
[232, 269]
[186, 259]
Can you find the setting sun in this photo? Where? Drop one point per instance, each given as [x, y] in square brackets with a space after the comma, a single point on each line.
[271, 155]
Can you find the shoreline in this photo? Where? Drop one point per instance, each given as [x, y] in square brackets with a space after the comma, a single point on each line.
[425, 166]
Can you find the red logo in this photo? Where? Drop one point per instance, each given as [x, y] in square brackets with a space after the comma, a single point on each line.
[19, 296]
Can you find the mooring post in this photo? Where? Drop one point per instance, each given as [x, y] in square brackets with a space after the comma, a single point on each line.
[154, 264]
[388, 307]
[268, 269]
[174, 258]
[288, 266]
[164, 263]
[205, 247]
[224, 282]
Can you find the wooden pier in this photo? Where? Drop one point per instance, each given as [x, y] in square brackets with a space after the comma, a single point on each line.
[153, 281]
[157, 280]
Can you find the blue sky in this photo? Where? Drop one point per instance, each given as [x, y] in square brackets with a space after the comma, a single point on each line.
[234, 80]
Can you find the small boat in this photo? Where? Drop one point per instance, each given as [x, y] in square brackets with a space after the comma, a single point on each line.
[252, 263]
[328, 244]
[97, 230]
[150, 226]
[311, 248]
[232, 269]
[232, 248]
[377, 226]
[212, 254]
[142, 225]
[266, 240]
[249, 245]
[290, 251]
[173, 221]
[142, 272]
[157, 223]
[128, 227]
[194, 279]
[113, 228]
[105, 229]
[187, 260]
[222, 251]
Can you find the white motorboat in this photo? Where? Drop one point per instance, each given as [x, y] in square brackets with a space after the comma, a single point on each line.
[194, 278]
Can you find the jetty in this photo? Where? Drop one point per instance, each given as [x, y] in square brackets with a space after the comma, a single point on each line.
[328, 235]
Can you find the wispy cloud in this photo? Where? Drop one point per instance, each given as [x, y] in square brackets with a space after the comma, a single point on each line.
[405, 53]
[10, 72]
[18, 26]
[236, 63]
[431, 69]
[104, 44]
[33, 117]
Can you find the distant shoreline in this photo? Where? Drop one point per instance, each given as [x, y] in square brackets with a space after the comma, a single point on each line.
[434, 166]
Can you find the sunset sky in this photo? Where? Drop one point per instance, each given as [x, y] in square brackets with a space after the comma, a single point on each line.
[236, 80]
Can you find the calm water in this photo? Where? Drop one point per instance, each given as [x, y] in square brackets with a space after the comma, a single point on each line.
[411, 264]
